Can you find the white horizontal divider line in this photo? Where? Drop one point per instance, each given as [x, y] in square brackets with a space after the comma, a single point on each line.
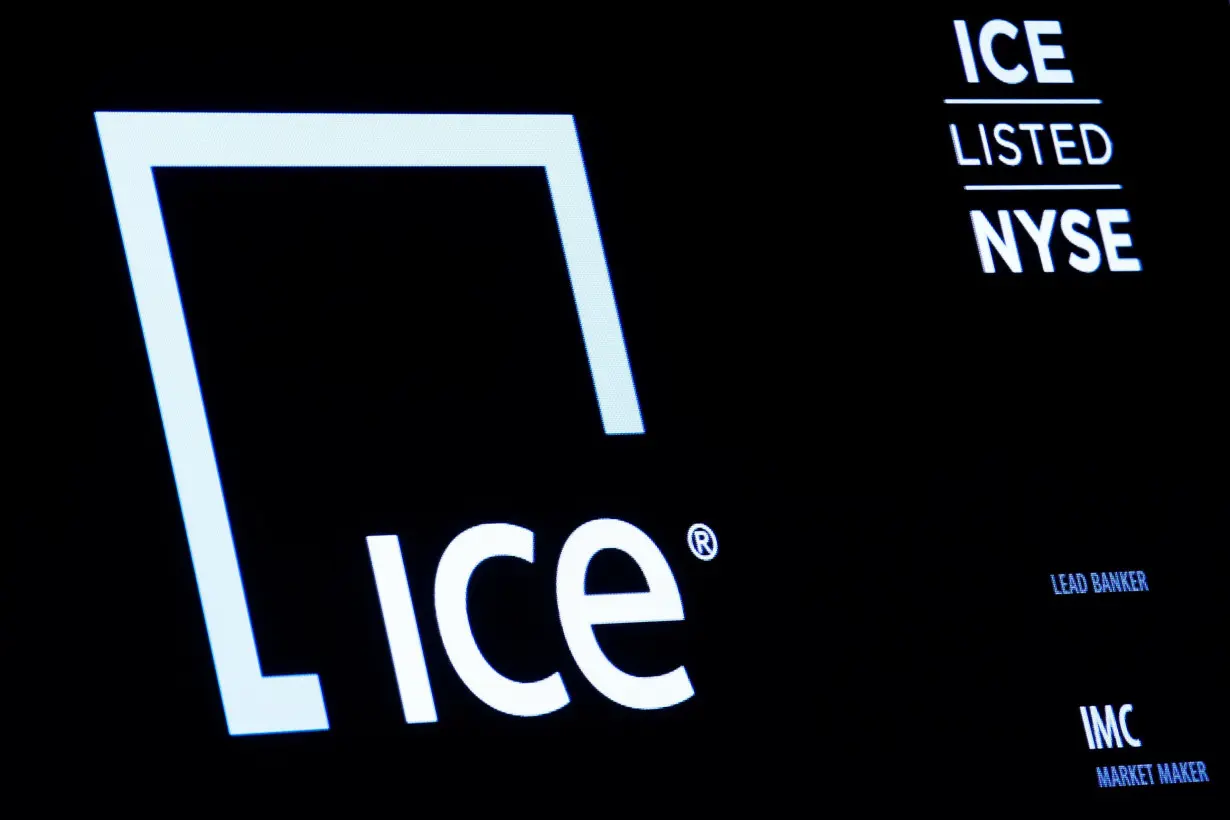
[1024, 101]
[1099, 187]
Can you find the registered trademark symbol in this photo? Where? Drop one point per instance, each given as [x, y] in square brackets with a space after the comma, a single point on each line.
[703, 542]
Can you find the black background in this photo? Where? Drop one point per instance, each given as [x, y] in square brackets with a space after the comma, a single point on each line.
[895, 449]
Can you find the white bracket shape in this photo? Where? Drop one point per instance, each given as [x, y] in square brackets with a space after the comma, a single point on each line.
[134, 143]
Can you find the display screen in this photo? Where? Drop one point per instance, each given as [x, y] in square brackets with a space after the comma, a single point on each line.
[819, 413]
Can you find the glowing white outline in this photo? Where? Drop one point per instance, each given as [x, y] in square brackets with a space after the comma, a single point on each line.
[134, 143]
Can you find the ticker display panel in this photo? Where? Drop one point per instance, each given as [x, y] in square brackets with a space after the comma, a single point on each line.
[774, 414]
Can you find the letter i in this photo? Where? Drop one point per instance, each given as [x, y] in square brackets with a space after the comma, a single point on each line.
[986, 148]
[1088, 731]
[967, 51]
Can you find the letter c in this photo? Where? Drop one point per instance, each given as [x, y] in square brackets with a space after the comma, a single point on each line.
[460, 559]
[989, 32]
[1131, 741]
